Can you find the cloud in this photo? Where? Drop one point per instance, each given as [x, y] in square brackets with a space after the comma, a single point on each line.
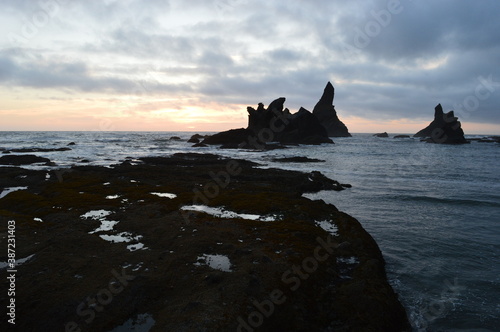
[387, 59]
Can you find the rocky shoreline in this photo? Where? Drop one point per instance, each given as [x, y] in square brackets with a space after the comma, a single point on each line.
[191, 242]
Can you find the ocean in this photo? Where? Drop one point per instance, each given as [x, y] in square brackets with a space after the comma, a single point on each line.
[434, 210]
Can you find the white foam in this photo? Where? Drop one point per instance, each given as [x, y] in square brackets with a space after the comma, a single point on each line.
[112, 196]
[221, 213]
[167, 195]
[327, 226]
[216, 262]
[7, 191]
[38, 219]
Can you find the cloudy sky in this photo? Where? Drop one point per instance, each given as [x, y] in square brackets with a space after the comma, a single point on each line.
[195, 65]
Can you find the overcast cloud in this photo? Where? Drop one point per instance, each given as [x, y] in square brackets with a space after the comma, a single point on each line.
[387, 59]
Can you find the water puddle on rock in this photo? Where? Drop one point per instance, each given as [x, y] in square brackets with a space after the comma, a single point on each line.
[225, 214]
[216, 262]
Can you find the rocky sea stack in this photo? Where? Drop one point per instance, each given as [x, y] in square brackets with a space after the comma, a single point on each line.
[327, 116]
[276, 124]
[444, 129]
[273, 124]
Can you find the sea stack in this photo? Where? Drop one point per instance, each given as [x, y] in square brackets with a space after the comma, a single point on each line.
[273, 124]
[444, 129]
[327, 116]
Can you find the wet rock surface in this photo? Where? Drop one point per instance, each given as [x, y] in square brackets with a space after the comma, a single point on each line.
[27, 150]
[26, 159]
[297, 160]
[307, 267]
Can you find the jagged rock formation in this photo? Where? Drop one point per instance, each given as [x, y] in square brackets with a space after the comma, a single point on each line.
[274, 124]
[327, 116]
[384, 135]
[444, 129]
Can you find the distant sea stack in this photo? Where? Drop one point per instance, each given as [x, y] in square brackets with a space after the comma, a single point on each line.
[273, 124]
[444, 129]
[327, 116]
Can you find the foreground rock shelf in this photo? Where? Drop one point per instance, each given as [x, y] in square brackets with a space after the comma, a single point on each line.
[270, 260]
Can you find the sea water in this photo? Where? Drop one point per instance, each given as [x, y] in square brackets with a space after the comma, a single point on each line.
[433, 209]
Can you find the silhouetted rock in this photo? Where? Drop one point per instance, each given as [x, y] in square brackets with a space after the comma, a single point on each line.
[27, 150]
[230, 136]
[384, 135]
[402, 136]
[444, 129]
[303, 128]
[327, 116]
[72, 143]
[273, 124]
[26, 159]
[175, 138]
[297, 160]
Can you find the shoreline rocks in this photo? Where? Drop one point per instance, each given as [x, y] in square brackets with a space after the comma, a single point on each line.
[30, 150]
[18, 160]
[328, 272]
[297, 160]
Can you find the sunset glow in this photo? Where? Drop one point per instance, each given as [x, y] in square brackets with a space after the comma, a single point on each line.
[183, 67]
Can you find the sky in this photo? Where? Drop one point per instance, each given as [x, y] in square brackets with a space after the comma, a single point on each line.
[173, 65]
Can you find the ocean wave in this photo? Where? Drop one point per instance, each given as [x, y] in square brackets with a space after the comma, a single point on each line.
[450, 201]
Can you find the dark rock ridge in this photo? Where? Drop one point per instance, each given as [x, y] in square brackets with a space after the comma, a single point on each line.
[384, 134]
[319, 279]
[444, 129]
[26, 159]
[402, 136]
[274, 124]
[327, 115]
[297, 160]
[27, 150]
